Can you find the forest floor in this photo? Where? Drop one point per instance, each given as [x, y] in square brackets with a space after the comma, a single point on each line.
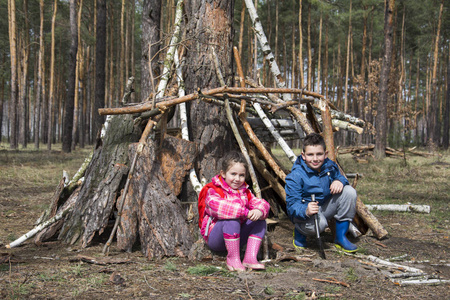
[54, 270]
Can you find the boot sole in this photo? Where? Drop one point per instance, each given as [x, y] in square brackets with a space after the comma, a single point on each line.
[340, 248]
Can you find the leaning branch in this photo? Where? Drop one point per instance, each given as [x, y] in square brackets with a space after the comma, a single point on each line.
[38, 228]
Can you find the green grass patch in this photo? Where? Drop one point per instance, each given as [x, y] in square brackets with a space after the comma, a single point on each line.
[351, 275]
[170, 266]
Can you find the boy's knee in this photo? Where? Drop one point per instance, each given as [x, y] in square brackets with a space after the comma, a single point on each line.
[349, 192]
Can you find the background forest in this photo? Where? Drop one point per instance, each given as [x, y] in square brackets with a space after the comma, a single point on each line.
[331, 47]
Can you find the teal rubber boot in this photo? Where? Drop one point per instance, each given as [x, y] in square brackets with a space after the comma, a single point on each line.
[341, 242]
[299, 240]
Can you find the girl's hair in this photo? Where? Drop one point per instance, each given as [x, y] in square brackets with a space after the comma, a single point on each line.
[232, 158]
[314, 139]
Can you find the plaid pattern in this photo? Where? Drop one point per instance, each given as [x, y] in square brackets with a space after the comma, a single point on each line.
[234, 205]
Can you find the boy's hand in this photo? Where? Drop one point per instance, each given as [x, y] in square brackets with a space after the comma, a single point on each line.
[312, 209]
[254, 215]
[336, 187]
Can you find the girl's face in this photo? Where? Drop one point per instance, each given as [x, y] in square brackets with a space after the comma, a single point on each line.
[235, 176]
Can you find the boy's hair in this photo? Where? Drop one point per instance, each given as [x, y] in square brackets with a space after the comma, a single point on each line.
[314, 139]
[231, 158]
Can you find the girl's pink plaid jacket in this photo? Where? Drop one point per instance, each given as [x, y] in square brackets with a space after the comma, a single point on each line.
[234, 205]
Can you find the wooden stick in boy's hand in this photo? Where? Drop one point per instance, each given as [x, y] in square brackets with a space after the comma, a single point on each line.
[316, 221]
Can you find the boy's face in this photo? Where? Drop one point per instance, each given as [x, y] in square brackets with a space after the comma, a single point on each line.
[314, 156]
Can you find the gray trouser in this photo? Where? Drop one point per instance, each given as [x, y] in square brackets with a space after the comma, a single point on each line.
[340, 207]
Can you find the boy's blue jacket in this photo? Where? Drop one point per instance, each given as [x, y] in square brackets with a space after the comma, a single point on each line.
[304, 181]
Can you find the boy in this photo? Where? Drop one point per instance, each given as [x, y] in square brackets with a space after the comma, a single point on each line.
[314, 173]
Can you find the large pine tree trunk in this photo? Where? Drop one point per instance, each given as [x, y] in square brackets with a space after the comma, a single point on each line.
[151, 44]
[209, 26]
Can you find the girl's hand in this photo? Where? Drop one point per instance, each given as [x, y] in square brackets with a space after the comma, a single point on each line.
[312, 209]
[336, 187]
[254, 214]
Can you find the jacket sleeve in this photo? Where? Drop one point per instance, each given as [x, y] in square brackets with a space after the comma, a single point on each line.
[336, 175]
[258, 203]
[296, 208]
[221, 208]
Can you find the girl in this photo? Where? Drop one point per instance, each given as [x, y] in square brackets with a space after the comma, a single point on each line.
[234, 216]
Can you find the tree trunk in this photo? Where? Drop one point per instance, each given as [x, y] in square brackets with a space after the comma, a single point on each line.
[23, 87]
[39, 92]
[445, 139]
[71, 82]
[2, 95]
[111, 60]
[381, 119]
[309, 78]
[132, 58]
[294, 58]
[66, 148]
[151, 44]
[209, 24]
[348, 59]
[78, 66]
[339, 76]
[277, 23]
[319, 55]
[14, 85]
[121, 71]
[433, 115]
[325, 65]
[100, 61]
[300, 45]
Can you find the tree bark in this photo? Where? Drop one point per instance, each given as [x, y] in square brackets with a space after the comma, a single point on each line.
[319, 83]
[151, 207]
[209, 25]
[52, 83]
[14, 76]
[346, 83]
[78, 66]
[23, 87]
[71, 84]
[381, 119]
[103, 179]
[100, 62]
[151, 44]
[445, 139]
[433, 115]
[39, 92]
[309, 78]
[300, 45]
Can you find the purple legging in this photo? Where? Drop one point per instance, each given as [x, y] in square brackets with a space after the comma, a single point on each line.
[232, 227]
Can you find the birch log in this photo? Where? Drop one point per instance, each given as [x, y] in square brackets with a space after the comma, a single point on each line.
[196, 185]
[400, 207]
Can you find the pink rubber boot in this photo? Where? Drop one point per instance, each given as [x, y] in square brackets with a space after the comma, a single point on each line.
[233, 256]
[250, 258]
